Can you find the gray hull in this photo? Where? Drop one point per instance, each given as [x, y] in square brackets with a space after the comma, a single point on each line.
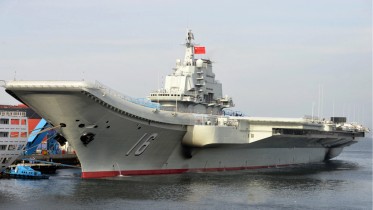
[123, 143]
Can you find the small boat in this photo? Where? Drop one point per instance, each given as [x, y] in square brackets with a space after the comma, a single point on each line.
[25, 172]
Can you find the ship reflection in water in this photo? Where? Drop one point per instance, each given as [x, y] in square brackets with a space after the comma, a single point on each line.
[345, 183]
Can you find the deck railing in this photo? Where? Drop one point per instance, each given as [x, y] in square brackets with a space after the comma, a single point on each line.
[139, 101]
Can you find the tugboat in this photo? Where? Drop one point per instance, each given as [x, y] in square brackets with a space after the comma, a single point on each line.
[25, 172]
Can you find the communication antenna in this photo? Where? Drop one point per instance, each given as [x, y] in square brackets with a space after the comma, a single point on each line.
[158, 87]
[313, 106]
[15, 75]
[176, 101]
[318, 103]
[322, 101]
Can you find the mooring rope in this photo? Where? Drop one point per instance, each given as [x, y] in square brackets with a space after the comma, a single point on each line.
[45, 130]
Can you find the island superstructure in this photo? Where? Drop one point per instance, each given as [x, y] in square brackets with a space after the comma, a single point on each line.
[192, 87]
[181, 128]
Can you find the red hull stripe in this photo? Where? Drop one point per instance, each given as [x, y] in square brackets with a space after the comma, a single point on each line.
[101, 174]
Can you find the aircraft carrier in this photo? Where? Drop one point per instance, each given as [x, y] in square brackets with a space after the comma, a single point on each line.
[182, 127]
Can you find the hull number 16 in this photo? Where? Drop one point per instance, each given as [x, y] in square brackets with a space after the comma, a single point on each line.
[144, 145]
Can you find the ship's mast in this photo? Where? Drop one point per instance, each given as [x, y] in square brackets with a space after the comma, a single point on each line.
[189, 50]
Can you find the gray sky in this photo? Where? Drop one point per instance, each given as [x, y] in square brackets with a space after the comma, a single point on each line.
[271, 56]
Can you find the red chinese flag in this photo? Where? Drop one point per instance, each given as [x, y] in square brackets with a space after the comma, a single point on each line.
[199, 50]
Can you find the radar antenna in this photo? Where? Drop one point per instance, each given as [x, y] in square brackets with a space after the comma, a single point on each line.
[189, 51]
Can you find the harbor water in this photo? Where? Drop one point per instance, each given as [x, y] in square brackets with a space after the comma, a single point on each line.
[342, 183]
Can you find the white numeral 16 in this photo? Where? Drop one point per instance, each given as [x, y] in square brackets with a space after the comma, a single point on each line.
[144, 145]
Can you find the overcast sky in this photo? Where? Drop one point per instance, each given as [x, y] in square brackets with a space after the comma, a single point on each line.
[271, 56]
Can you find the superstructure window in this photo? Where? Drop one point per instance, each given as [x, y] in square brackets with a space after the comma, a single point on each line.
[14, 134]
[5, 160]
[4, 134]
[8, 160]
[3, 147]
[14, 121]
[12, 147]
[23, 134]
[4, 121]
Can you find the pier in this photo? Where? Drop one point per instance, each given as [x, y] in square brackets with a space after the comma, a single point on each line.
[68, 159]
